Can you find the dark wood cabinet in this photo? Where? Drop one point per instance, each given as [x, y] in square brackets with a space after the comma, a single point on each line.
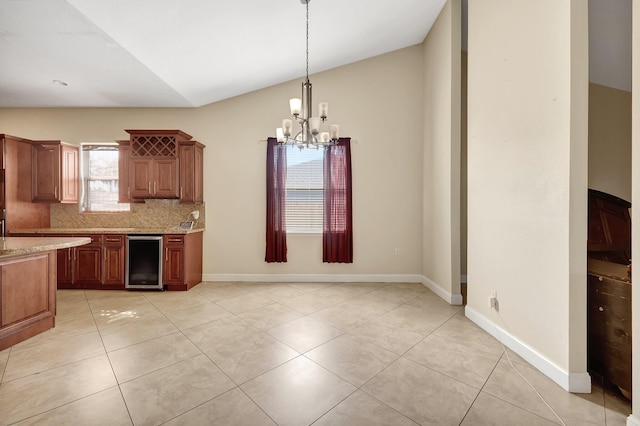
[161, 164]
[609, 322]
[114, 260]
[182, 261]
[191, 172]
[54, 167]
[97, 265]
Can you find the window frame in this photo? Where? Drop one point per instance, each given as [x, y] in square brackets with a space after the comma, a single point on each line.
[84, 180]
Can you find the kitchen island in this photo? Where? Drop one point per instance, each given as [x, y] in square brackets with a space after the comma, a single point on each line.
[28, 285]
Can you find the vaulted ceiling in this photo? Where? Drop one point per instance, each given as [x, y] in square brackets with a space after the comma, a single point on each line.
[168, 53]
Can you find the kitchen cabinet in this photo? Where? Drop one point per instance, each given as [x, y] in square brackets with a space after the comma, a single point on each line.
[161, 164]
[191, 172]
[54, 168]
[182, 261]
[81, 267]
[114, 260]
[153, 178]
[97, 265]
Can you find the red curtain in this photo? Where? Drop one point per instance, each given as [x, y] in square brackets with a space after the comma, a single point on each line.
[337, 237]
[276, 250]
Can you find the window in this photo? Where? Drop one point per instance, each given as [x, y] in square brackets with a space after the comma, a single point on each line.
[99, 179]
[304, 190]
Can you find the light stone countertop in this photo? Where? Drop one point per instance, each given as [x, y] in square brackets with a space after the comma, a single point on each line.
[27, 245]
[73, 231]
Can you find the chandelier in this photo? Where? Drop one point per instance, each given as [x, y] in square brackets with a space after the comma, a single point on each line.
[309, 135]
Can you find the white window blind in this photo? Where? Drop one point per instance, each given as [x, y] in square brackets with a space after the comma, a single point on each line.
[304, 190]
[99, 173]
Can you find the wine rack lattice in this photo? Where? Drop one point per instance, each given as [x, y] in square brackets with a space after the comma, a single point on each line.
[154, 146]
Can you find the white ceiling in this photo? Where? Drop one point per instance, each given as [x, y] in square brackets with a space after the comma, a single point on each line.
[185, 53]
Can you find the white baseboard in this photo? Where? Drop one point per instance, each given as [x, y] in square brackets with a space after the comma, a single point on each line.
[311, 278]
[452, 299]
[633, 420]
[571, 382]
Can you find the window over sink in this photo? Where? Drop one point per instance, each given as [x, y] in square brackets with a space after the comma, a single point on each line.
[99, 178]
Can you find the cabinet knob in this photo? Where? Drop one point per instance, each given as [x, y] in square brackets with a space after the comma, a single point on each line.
[601, 309]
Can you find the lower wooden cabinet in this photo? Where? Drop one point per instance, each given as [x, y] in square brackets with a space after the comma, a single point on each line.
[182, 264]
[97, 265]
[27, 296]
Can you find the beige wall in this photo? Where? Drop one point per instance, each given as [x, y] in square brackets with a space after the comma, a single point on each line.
[377, 102]
[441, 185]
[610, 140]
[527, 144]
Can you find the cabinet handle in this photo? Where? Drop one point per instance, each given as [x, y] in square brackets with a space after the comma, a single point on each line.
[55, 191]
[154, 188]
[150, 188]
[75, 254]
[166, 255]
[69, 254]
[180, 192]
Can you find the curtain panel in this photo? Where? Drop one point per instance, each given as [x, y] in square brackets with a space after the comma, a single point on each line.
[276, 250]
[337, 236]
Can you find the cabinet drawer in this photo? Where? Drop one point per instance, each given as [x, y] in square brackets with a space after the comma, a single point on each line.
[95, 238]
[113, 239]
[174, 240]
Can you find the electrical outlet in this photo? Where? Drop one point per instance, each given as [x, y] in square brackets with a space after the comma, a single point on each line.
[493, 301]
[397, 252]
[195, 214]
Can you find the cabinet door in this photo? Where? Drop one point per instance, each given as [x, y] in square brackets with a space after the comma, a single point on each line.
[65, 267]
[191, 180]
[70, 169]
[173, 267]
[165, 179]
[88, 265]
[140, 177]
[45, 169]
[114, 258]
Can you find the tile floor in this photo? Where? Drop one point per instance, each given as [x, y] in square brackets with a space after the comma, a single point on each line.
[286, 354]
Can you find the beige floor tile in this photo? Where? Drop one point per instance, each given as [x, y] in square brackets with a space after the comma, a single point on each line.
[352, 358]
[72, 296]
[490, 411]
[617, 409]
[575, 409]
[464, 363]
[423, 395]
[69, 306]
[308, 287]
[106, 408]
[239, 349]
[66, 326]
[433, 303]
[298, 392]
[361, 409]
[343, 316]
[309, 303]
[143, 358]
[221, 292]
[196, 315]
[232, 408]
[244, 303]
[464, 331]
[282, 292]
[174, 300]
[269, 316]
[394, 293]
[304, 334]
[27, 360]
[394, 338]
[37, 393]
[374, 306]
[415, 318]
[4, 358]
[117, 314]
[167, 393]
[136, 331]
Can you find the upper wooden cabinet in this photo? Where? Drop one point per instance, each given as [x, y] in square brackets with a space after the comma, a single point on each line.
[54, 168]
[161, 164]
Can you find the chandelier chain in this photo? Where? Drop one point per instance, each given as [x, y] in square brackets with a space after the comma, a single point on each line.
[307, 40]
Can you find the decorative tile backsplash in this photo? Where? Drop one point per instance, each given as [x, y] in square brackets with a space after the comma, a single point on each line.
[150, 214]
